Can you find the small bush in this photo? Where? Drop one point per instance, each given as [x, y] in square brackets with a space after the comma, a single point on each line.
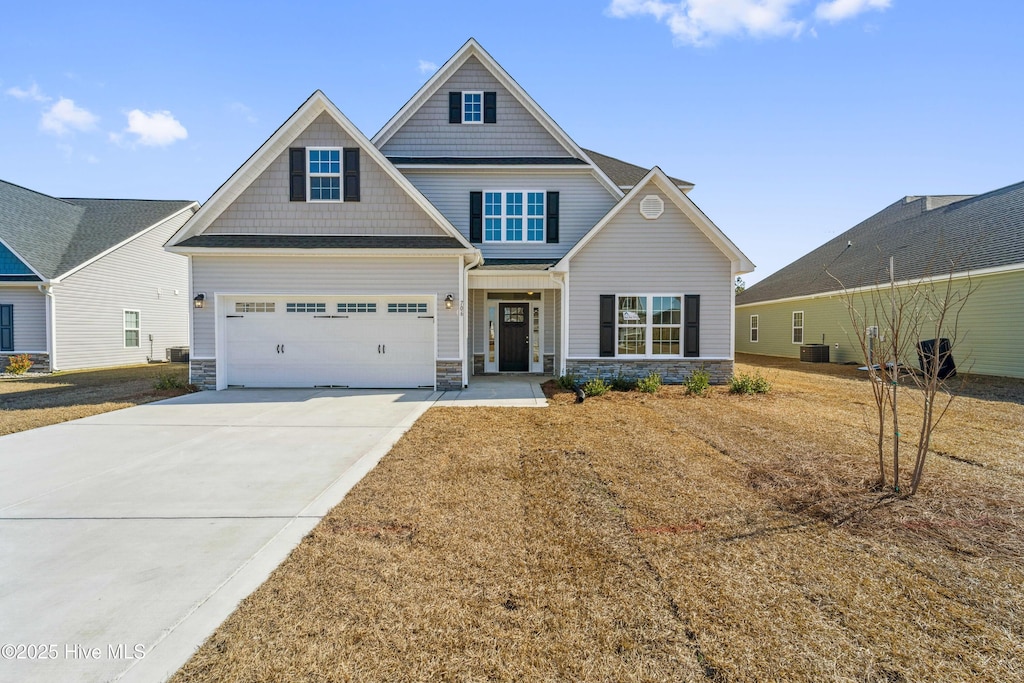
[744, 383]
[649, 384]
[596, 387]
[171, 380]
[698, 383]
[18, 365]
[568, 382]
[622, 383]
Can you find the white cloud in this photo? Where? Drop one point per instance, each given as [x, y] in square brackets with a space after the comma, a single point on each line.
[838, 10]
[65, 115]
[426, 67]
[243, 111]
[32, 93]
[701, 22]
[155, 129]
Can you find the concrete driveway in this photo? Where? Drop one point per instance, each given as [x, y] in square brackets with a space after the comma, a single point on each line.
[126, 538]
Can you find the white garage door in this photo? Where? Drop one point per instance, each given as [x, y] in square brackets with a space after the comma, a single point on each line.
[310, 341]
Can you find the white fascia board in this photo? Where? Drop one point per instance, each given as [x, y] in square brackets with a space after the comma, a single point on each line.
[193, 207]
[23, 260]
[347, 253]
[962, 275]
[505, 168]
[256, 164]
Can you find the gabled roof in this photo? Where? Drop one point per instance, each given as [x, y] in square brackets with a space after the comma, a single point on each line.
[669, 188]
[928, 236]
[56, 236]
[276, 144]
[473, 49]
[625, 174]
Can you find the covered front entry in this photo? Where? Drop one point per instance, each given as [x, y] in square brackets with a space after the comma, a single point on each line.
[327, 341]
[513, 329]
[514, 348]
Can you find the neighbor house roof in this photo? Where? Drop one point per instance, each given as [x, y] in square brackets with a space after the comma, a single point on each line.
[625, 174]
[54, 236]
[928, 236]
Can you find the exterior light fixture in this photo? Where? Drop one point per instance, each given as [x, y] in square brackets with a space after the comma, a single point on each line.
[449, 301]
[200, 300]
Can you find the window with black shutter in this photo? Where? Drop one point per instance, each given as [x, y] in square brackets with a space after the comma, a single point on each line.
[476, 217]
[490, 107]
[297, 174]
[351, 174]
[552, 211]
[691, 331]
[607, 329]
[455, 107]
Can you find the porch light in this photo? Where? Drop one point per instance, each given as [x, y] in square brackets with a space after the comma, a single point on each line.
[200, 300]
[449, 301]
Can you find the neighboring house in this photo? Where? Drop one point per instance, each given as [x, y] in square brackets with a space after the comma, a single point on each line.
[979, 240]
[86, 282]
[471, 235]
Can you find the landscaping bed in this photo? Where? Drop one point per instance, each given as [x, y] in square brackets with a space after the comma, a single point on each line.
[640, 537]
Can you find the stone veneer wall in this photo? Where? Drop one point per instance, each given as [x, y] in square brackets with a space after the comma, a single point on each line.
[549, 364]
[40, 361]
[449, 375]
[203, 373]
[671, 371]
[478, 363]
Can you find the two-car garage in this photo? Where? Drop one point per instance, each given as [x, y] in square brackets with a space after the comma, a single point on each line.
[329, 341]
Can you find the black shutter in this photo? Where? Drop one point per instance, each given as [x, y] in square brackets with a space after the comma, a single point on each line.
[476, 217]
[455, 107]
[691, 325]
[607, 325]
[297, 174]
[490, 107]
[6, 327]
[350, 173]
[552, 211]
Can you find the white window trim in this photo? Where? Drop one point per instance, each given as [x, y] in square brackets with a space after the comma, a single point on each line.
[340, 175]
[526, 217]
[796, 327]
[465, 94]
[755, 324]
[125, 328]
[649, 327]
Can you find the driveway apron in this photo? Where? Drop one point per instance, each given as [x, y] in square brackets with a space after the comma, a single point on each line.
[127, 537]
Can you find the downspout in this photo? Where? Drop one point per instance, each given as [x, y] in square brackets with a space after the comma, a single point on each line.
[464, 316]
[51, 324]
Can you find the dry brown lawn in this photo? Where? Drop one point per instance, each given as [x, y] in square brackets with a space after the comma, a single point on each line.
[40, 400]
[657, 538]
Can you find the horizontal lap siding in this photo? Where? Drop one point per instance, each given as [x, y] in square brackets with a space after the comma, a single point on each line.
[516, 133]
[327, 276]
[264, 207]
[29, 319]
[990, 327]
[633, 255]
[137, 276]
[582, 203]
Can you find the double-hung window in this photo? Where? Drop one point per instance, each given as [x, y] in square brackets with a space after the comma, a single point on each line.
[798, 327]
[648, 325]
[131, 329]
[515, 216]
[753, 328]
[472, 107]
[324, 174]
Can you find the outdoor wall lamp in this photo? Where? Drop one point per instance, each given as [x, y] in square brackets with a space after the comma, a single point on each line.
[200, 300]
[449, 301]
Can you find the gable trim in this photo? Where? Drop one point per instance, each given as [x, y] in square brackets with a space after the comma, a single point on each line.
[22, 259]
[741, 264]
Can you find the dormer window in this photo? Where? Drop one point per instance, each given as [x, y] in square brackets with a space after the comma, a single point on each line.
[472, 106]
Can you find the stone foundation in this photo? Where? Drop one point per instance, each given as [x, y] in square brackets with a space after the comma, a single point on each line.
[478, 363]
[549, 364]
[449, 375]
[40, 361]
[203, 373]
[671, 371]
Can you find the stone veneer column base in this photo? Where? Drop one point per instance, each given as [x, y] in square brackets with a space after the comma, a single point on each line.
[449, 375]
[40, 361]
[671, 371]
[203, 373]
[478, 363]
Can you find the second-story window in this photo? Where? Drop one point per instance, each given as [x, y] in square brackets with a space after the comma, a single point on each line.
[472, 107]
[324, 174]
[516, 216]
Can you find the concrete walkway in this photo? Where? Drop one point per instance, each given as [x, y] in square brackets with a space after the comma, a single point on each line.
[516, 391]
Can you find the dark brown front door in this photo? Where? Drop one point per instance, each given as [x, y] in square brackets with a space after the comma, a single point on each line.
[514, 338]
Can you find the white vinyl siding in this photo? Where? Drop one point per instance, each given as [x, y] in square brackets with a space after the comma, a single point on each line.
[633, 254]
[29, 318]
[138, 276]
[306, 276]
[517, 133]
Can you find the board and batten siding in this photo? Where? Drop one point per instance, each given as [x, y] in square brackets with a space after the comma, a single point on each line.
[139, 275]
[633, 255]
[329, 276]
[29, 319]
[583, 201]
[516, 133]
[263, 208]
[991, 326]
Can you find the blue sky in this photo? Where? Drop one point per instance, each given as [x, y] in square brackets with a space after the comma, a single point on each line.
[795, 119]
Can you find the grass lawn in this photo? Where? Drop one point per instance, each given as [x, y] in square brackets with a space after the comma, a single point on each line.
[657, 538]
[36, 401]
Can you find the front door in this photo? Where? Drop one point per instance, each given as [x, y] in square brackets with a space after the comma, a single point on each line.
[514, 338]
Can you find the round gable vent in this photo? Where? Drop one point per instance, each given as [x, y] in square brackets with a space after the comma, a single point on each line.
[651, 207]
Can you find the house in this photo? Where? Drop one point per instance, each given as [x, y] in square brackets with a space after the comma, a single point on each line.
[471, 235]
[86, 282]
[978, 240]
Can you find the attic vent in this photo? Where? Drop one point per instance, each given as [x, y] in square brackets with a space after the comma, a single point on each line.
[651, 207]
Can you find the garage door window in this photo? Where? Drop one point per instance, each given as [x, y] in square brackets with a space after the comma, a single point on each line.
[407, 308]
[254, 307]
[306, 308]
[357, 308]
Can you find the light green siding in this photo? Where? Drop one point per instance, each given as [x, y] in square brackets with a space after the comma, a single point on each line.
[991, 326]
